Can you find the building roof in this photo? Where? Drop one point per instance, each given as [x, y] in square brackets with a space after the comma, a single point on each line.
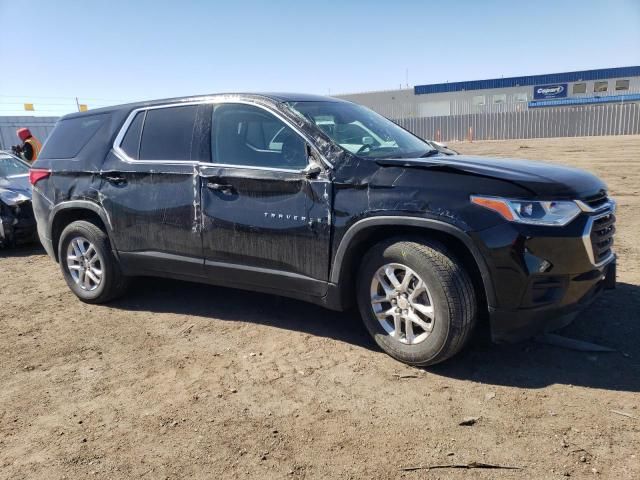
[550, 78]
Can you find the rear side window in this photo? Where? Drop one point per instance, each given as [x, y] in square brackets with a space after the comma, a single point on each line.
[70, 136]
[131, 141]
[168, 133]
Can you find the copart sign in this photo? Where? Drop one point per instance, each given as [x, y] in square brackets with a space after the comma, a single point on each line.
[543, 92]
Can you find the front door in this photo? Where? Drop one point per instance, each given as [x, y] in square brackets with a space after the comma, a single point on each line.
[266, 224]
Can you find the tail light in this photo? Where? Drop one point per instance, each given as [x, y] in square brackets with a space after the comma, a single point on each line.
[37, 174]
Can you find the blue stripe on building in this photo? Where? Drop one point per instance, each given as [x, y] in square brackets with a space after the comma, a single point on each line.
[562, 102]
[552, 78]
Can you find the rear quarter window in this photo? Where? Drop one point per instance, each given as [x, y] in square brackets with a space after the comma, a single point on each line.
[131, 141]
[70, 136]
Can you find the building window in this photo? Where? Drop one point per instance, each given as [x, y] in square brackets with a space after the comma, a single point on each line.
[500, 98]
[600, 86]
[478, 100]
[622, 84]
[520, 97]
[579, 88]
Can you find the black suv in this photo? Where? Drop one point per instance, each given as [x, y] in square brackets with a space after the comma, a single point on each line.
[326, 201]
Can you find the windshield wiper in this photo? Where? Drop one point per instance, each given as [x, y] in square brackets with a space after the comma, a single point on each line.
[430, 153]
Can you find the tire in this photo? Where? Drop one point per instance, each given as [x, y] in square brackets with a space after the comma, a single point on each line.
[446, 292]
[112, 283]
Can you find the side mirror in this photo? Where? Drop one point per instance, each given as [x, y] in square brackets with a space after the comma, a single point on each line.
[313, 169]
[367, 140]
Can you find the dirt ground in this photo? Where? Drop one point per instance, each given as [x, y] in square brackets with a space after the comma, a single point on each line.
[178, 380]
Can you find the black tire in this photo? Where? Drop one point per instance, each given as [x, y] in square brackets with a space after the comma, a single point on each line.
[113, 283]
[451, 290]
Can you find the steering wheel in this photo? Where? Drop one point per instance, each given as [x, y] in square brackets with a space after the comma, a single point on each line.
[366, 146]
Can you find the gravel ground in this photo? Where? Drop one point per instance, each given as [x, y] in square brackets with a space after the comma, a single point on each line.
[178, 380]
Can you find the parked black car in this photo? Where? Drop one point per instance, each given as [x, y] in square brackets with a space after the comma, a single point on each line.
[17, 223]
[326, 201]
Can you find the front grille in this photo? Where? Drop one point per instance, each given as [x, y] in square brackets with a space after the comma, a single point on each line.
[597, 200]
[602, 232]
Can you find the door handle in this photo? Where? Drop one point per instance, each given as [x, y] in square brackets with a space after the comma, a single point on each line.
[115, 179]
[220, 187]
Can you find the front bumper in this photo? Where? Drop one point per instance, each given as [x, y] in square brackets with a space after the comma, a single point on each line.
[577, 293]
[542, 276]
[17, 224]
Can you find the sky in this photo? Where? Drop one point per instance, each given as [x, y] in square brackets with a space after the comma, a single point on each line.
[112, 51]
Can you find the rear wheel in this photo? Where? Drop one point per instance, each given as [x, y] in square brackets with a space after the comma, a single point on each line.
[88, 265]
[416, 300]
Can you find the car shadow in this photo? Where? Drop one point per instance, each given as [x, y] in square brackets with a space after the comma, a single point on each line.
[611, 321]
[24, 250]
[184, 298]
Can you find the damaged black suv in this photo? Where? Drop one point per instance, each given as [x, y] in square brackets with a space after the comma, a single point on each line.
[322, 200]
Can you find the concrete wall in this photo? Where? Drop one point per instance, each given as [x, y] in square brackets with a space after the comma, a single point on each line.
[40, 127]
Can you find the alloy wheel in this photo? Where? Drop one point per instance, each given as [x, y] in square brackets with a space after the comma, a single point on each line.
[84, 263]
[402, 303]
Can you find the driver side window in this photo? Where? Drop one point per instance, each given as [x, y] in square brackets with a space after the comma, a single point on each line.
[245, 135]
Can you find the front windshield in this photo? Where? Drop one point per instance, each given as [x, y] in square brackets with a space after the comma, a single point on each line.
[10, 166]
[361, 131]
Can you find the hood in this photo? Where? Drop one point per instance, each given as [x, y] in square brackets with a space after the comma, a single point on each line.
[15, 189]
[540, 178]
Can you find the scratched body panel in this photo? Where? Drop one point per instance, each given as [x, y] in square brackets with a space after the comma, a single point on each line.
[363, 188]
[275, 220]
[153, 209]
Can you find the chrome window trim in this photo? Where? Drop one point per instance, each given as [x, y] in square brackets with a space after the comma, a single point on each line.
[243, 167]
[586, 235]
[122, 155]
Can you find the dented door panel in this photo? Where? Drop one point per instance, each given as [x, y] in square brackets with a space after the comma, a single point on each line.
[266, 219]
[154, 210]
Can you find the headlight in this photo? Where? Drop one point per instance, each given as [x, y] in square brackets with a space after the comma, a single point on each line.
[12, 198]
[551, 213]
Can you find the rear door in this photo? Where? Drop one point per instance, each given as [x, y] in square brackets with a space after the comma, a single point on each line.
[266, 223]
[151, 192]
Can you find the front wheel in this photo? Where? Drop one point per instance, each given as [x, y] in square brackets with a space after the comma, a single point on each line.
[416, 300]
